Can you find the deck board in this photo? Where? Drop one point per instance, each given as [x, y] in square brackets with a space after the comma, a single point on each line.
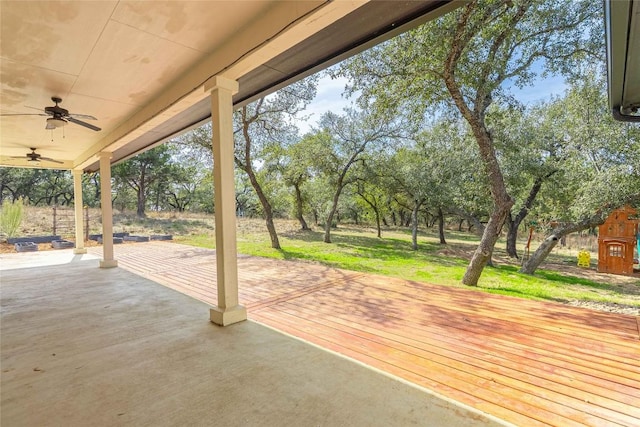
[482, 357]
[526, 362]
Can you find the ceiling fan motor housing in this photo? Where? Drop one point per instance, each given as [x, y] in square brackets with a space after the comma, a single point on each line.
[58, 114]
[56, 111]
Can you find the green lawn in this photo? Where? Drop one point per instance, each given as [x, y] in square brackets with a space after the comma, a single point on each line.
[358, 249]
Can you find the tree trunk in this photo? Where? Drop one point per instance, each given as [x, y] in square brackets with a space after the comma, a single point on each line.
[472, 221]
[501, 199]
[142, 201]
[334, 209]
[299, 216]
[475, 116]
[441, 226]
[247, 166]
[376, 210]
[414, 225]
[266, 207]
[512, 237]
[545, 248]
[483, 252]
[513, 224]
[141, 192]
[550, 242]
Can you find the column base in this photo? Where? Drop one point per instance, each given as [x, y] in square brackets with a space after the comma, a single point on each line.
[108, 263]
[80, 251]
[225, 317]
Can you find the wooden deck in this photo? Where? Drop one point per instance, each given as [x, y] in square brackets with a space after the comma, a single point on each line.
[529, 363]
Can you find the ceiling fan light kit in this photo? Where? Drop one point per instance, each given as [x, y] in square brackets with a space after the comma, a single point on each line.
[55, 122]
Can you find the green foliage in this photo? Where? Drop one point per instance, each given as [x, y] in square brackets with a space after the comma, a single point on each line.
[39, 186]
[11, 216]
[359, 250]
[489, 43]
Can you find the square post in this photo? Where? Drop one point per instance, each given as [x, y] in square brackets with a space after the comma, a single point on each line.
[228, 310]
[108, 260]
[77, 205]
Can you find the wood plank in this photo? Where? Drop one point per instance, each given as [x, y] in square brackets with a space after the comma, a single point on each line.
[365, 296]
[497, 368]
[520, 403]
[426, 339]
[527, 362]
[506, 308]
[441, 388]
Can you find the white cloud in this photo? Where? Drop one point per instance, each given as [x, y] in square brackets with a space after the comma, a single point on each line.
[328, 98]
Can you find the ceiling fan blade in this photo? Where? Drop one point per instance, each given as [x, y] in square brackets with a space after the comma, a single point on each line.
[23, 114]
[81, 116]
[81, 123]
[42, 112]
[48, 159]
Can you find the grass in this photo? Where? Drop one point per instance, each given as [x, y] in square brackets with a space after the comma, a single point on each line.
[11, 215]
[357, 248]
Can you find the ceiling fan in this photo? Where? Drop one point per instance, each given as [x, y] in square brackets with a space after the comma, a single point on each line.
[60, 117]
[36, 158]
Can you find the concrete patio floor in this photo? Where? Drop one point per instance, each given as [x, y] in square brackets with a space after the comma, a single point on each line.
[87, 346]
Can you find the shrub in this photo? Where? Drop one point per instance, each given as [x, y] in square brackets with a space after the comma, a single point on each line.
[11, 217]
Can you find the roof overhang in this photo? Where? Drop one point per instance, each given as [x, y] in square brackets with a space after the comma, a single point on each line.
[141, 67]
[622, 26]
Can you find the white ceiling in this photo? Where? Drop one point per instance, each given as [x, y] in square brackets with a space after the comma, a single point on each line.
[110, 59]
[140, 67]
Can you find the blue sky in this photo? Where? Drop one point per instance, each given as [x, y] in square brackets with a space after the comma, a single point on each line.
[329, 97]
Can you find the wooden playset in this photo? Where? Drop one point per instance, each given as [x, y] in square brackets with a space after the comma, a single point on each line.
[617, 242]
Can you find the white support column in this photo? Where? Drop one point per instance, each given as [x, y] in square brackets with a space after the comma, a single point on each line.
[228, 310]
[77, 204]
[107, 212]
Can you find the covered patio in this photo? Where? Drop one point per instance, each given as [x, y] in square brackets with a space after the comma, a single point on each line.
[126, 76]
[521, 362]
[83, 345]
[87, 346]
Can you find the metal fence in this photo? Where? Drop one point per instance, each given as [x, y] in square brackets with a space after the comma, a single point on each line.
[64, 221]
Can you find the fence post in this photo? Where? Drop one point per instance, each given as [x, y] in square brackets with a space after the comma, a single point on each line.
[54, 219]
